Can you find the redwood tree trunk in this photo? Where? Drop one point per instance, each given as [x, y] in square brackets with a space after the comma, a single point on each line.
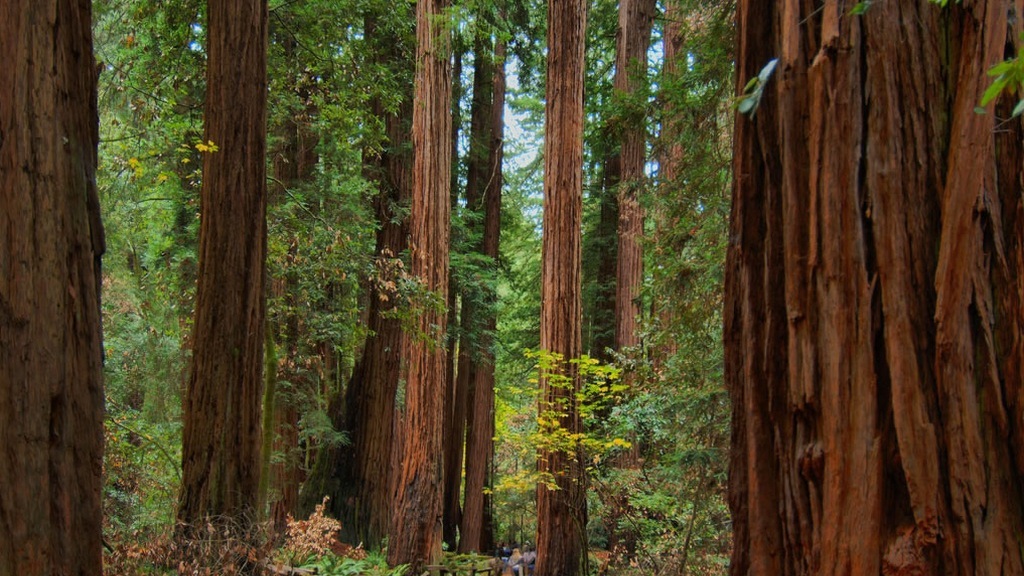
[51, 240]
[455, 386]
[221, 441]
[294, 163]
[469, 334]
[356, 476]
[874, 288]
[365, 467]
[561, 512]
[415, 535]
[632, 40]
[670, 168]
[480, 422]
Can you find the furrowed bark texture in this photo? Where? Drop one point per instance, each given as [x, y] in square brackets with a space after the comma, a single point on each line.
[51, 240]
[632, 40]
[371, 392]
[221, 440]
[415, 535]
[480, 420]
[561, 512]
[873, 313]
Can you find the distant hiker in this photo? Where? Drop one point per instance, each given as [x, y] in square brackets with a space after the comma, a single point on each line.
[526, 563]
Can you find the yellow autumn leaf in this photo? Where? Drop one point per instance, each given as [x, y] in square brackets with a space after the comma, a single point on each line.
[207, 146]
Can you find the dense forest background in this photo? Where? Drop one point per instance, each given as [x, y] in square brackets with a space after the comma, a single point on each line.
[339, 72]
[390, 289]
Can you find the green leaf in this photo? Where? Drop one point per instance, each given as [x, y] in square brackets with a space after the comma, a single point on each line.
[766, 72]
[860, 8]
[1003, 68]
[1018, 109]
[994, 90]
[747, 105]
[979, 110]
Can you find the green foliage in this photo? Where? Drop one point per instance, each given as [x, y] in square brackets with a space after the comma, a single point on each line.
[754, 90]
[860, 8]
[1008, 77]
[326, 91]
[526, 428]
[600, 389]
[374, 564]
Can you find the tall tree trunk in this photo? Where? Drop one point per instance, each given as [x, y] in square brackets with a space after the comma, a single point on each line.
[670, 165]
[561, 512]
[51, 240]
[415, 535]
[457, 369]
[874, 294]
[371, 393]
[356, 476]
[221, 440]
[480, 420]
[632, 40]
[603, 243]
[294, 162]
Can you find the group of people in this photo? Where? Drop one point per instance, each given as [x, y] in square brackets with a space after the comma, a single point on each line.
[517, 562]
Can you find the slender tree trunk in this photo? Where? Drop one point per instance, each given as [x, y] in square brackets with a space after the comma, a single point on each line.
[455, 385]
[604, 244]
[670, 165]
[874, 294]
[221, 441]
[293, 164]
[415, 535]
[51, 240]
[632, 40]
[561, 512]
[480, 422]
[469, 333]
[284, 473]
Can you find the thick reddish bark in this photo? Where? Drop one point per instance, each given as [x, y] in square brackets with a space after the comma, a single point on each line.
[221, 440]
[415, 535]
[371, 392]
[561, 513]
[51, 240]
[873, 296]
[632, 40]
[480, 420]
